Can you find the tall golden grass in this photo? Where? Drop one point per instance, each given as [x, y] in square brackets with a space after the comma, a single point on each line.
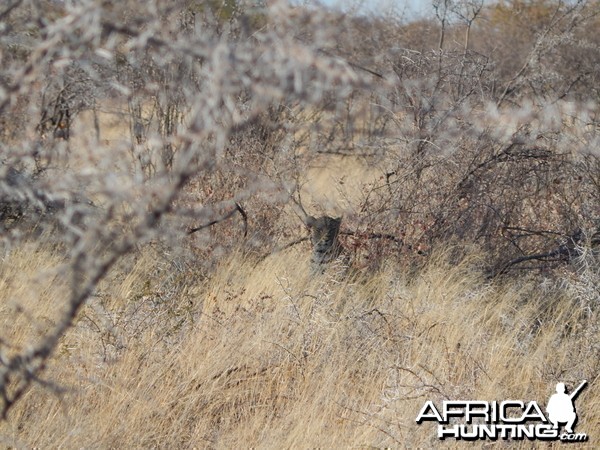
[261, 355]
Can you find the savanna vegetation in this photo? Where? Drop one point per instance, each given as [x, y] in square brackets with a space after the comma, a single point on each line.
[157, 162]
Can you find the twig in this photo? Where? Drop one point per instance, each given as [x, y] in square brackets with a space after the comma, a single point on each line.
[238, 208]
[563, 251]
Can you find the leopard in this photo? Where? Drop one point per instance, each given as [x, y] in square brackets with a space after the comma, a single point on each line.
[326, 246]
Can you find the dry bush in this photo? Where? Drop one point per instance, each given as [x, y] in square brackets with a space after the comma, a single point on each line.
[469, 154]
[209, 76]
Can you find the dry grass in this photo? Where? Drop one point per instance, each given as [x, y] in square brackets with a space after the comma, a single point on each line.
[263, 356]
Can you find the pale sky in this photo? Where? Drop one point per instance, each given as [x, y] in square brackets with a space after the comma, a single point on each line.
[411, 8]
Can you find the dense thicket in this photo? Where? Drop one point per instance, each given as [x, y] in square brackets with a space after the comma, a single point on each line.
[482, 122]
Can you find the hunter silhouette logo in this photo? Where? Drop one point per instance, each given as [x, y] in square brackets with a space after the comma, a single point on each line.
[509, 419]
[561, 409]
